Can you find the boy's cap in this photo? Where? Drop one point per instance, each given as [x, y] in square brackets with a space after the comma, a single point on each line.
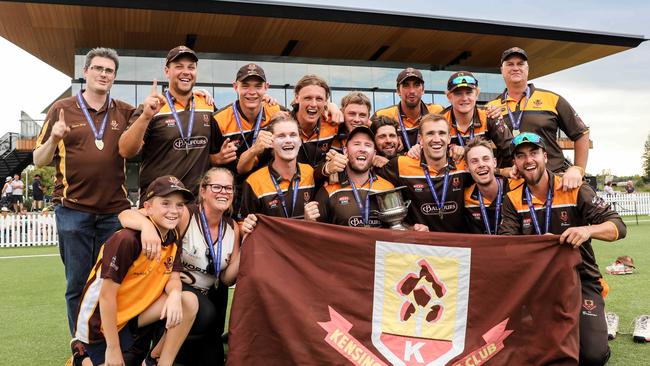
[179, 51]
[513, 51]
[165, 185]
[409, 72]
[249, 70]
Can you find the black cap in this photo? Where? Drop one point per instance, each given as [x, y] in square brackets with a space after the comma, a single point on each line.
[165, 185]
[179, 51]
[461, 79]
[361, 129]
[409, 72]
[250, 70]
[513, 51]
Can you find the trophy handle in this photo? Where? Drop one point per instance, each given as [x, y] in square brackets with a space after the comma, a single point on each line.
[408, 203]
[375, 212]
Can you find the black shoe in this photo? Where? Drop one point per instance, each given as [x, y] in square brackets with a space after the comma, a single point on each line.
[78, 352]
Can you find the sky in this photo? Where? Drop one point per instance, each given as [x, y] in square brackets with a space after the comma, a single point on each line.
[609, 94]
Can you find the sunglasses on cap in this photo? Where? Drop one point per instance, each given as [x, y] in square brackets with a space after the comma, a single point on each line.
[526, 137]
[463, 79]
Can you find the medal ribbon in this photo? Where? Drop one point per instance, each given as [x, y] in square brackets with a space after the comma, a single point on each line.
[445, 185]
[256, 129]
[548, 204]
[98, 135]
[283, 201]
[517, 123]
[459, 135]
[216, 257]
[497, 213]
[190, 125]
[364, 210]
[402, 128]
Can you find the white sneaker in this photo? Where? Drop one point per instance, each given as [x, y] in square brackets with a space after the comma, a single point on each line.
[619, 269]
[642, 329]
[612, 324]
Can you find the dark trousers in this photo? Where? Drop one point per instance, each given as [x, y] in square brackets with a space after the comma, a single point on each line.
[204, 345]
[594, 350]
[81, 235]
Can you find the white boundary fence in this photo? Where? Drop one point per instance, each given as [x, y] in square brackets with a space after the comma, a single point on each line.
[32, 229]
[629, 204]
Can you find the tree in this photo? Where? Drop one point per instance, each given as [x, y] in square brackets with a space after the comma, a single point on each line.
[646, 160]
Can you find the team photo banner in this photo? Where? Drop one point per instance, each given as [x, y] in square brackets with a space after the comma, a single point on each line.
[318, 294]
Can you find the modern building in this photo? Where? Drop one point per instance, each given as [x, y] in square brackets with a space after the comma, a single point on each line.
[353, 49]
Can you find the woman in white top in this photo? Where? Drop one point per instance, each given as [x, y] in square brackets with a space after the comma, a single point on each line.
[208, 270]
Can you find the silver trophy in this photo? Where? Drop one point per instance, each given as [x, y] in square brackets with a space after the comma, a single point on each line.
[392, 208]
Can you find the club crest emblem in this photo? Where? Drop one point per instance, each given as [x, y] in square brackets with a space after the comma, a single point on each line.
[114, 125]
[537, 103]
[421, 296]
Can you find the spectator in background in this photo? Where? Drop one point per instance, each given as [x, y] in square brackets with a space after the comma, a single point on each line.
[629, 187]
[17, 193]
[608, 189]
[37, 193]
[6, 193]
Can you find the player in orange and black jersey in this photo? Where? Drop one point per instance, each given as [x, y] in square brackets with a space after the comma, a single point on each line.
[241, 135]
[484, 198]
[127, 291]
[284, 186]
[525, 108]
[467, 121]
[317, 132]
[434, 184]
[408, 112]
[349, 202]
[540, 206]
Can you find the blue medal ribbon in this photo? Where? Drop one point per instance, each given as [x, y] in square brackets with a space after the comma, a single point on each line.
[283, 201]
[497, 213]
[256, 129]
[216, 257]
[190, 125]
[445, 186]
[459, 135]
[364, 209]
[531, 208]
[98, 134]
[516, 123]
[402, 128]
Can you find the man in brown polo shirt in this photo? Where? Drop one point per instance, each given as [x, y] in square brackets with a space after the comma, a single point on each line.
[81, 135]
[173, 129]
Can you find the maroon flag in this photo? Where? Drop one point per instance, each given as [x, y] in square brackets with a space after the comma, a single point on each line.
[319, 294]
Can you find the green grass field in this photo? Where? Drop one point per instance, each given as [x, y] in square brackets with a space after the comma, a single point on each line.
[33, 326]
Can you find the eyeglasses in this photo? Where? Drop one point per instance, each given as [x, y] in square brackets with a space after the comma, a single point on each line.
[217, 188]
[100, 69]
[463, 79]
[526, 137]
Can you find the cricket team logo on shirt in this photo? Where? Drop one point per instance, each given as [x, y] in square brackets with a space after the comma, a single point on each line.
[421, 297]
[418, 187]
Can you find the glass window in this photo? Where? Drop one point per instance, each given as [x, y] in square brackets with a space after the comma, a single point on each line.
[204, 71]
[127, 68]
[79, 62]
[384, 78]
[76, 87]
[340, 76]
[224, 96]
[337, 95]
[278, 94]
[225, 71]
[383, 99]
[149, 68]
[293, 73]
[274, 73]
[441, 99]
[125, 93]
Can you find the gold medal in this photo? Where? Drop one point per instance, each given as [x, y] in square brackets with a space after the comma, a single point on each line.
[99, 144]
